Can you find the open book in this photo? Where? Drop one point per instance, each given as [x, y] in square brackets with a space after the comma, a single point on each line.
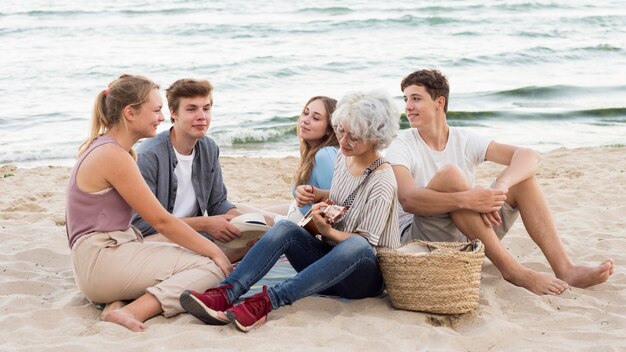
[251, 225]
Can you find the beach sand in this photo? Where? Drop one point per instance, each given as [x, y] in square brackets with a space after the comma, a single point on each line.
[42, 309]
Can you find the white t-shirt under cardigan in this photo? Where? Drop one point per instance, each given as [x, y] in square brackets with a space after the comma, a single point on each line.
[185, 204]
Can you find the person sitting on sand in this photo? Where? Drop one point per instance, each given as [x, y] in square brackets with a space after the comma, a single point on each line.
[318, 152]
[181, 166]
[111, 262]
[344, 262]
[434, 165]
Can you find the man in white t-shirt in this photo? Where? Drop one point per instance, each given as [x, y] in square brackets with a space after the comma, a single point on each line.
[434, 165]
[181, 166]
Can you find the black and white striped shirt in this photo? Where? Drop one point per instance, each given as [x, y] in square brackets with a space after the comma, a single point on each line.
[374, 213]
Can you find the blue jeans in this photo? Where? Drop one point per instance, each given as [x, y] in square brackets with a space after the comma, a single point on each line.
[349, 269]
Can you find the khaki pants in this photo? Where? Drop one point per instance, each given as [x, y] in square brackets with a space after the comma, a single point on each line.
[118, 265]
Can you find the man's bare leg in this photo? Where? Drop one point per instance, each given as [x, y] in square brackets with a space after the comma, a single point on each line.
[539, 224]
[470, 223]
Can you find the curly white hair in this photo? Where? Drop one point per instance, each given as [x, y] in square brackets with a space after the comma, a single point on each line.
[369, 115]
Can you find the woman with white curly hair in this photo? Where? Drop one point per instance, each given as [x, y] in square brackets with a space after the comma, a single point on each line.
[341, 259]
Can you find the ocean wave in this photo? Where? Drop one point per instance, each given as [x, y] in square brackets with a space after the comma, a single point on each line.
[109, 10]
[532, 91]
[234, 30]
[473, 118]
[544, 54]
[30, 153]
[335, 10]
[606, 112]
[404, 20]
[555, 33]
[610, 21]
[601, 48]
[61, 13]
[612, 115]
[536, 5]
[453, 7]
[273, 130]
[259, 135]
[548, 92]
[522, 57]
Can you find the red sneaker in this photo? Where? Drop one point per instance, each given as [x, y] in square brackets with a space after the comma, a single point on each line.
[208, 306]
[251, 312]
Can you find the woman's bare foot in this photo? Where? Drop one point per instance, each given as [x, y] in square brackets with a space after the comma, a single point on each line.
[585, 276]
[537, 283]
[122, 317]
[112, 306]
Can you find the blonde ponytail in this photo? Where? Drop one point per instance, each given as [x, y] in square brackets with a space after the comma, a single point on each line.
[108, 108]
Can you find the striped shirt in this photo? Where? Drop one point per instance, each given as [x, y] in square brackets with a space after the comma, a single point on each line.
[374, 213]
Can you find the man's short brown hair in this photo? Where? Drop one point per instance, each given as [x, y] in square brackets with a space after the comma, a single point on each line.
[435, 83]
[187, 88]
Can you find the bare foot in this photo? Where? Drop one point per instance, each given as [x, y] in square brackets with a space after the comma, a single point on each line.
[111, 307]
[124, 318]
[537, 283]
[585, 276]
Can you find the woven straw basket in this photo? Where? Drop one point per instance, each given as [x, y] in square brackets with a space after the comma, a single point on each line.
[436, 277]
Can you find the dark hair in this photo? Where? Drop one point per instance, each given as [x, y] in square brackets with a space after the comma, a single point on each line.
[435, 83]
[187, 88]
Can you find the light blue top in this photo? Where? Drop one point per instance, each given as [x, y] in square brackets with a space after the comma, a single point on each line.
[322, 174]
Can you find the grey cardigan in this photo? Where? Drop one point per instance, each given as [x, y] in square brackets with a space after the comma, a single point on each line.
[156, 160]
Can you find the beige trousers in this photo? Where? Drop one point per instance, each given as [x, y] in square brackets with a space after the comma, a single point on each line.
[113, 266]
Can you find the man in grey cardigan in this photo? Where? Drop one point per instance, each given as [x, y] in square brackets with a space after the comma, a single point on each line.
[181, 167]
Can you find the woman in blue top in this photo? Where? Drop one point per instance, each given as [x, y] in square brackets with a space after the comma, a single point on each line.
[318, 151]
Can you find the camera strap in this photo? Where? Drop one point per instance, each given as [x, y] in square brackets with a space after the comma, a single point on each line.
[367, 173]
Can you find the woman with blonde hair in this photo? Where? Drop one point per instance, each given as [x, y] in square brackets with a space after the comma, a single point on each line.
[111, 262]
[318, 152]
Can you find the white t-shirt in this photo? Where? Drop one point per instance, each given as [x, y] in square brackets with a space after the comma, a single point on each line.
[185, 204]
[464, 149]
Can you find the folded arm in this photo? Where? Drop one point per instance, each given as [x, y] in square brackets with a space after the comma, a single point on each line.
[442, 196]
[521, 163]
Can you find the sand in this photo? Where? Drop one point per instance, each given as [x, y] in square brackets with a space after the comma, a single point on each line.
[42, 309]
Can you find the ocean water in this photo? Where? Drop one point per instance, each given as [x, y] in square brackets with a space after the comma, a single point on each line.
[543, 74]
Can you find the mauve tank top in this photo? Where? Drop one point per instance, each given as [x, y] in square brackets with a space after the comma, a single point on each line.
[86, 212]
